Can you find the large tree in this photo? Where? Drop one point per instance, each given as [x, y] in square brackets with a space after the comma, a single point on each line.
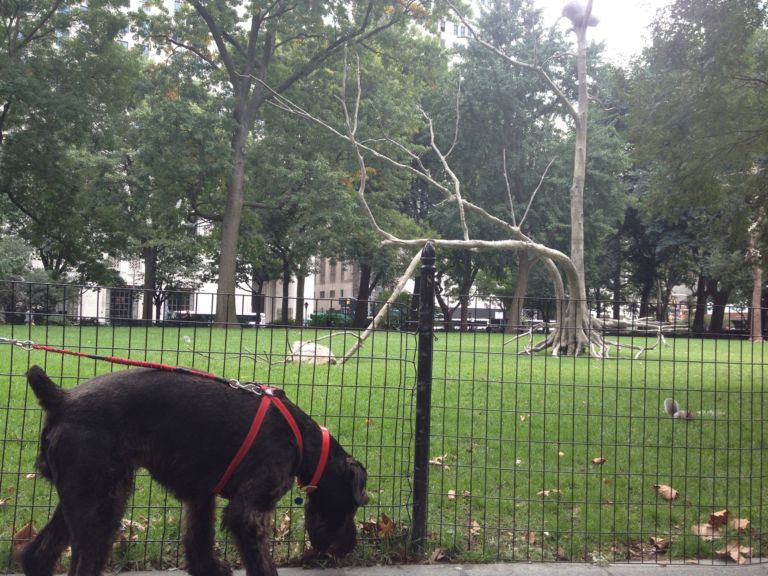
[253, 50]
[65, 82]
[697, 96]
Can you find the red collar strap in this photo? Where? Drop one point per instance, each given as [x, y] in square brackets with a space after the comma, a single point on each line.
[268, 399]
[325, 449]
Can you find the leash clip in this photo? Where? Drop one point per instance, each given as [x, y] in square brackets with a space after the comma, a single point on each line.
[26, 345]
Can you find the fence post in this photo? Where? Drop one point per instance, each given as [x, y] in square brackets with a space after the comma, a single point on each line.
[423, 399]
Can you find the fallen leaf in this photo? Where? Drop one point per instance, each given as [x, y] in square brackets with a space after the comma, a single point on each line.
[717, 519]
[706, 531]
[466, 493]
[129, 530]
[451, 494]
[561, 454]
[599, 460]
[518, 461]
[522, 417]
[3, 501]
[475, 528]
[530, 537]
[660, 544]
[438, 555]
[735, 551]
[368, 421]
[740, 524]
[552, 492]
[386, 526]
[31, 476]
[439, 461]
[666, 492]
[22, 537]
[282, 531]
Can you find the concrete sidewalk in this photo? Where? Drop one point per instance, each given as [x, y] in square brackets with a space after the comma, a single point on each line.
[517, 569]
[538, 569]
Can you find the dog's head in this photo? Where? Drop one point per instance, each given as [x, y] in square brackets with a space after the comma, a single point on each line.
[330, 509]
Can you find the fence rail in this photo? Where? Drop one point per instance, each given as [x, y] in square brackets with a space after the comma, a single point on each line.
[514, 457]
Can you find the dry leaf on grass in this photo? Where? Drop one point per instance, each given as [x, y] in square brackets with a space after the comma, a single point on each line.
[530, 537]
[386, 526]
[22, 537]
[661, 545]
[599, 460]
[282, 531]
[718, 519]
[438, 555]
[439, 461]
[666, 492]
[466, 493]
[451, 494]
[706, 531]
[740, 524]
[735, 551]
[551, 492]
[474, 528]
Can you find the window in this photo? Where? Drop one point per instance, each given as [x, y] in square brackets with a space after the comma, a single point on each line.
[455, 29]
[333, 295]
[322, 293]
[333, 273]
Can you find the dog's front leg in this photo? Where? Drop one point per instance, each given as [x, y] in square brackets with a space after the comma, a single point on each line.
[199, 538]
[251, 528]
[39, 556]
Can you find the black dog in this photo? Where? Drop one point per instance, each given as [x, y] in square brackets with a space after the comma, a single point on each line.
[186, 430]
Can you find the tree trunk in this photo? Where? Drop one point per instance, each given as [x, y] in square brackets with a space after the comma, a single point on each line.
[360, 317]
[284, 316]
[719, 300]
[580, 158]
[300, 279]
[699, 316]
[149, 255]
[230, 229]
[524, 267]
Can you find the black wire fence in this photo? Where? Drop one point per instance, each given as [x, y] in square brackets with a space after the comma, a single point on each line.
[476, 450]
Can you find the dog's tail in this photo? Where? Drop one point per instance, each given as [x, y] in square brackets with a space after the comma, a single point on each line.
[50, 396]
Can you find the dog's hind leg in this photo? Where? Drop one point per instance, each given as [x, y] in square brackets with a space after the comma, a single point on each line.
[93, 500]
[199, 537]
[39, 557]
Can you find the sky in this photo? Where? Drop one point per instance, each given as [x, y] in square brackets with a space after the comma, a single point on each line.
[623, 23]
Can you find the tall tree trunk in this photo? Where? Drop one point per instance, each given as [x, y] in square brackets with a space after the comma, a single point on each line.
[524, 266]
[719, 300]
[699, 316]
[230, 229]
[300, 279]
[149, 255]
[360, 318]
[284, 315]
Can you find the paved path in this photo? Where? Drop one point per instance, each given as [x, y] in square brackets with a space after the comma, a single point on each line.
[539, 569]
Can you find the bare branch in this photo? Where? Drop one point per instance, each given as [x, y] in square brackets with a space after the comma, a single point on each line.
[541, 181]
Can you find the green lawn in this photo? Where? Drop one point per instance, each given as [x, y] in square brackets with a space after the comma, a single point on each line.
[512, 447]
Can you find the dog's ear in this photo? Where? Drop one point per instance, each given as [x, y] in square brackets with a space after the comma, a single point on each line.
[359, 477]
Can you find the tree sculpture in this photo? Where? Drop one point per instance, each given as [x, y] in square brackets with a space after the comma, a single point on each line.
[575, 332]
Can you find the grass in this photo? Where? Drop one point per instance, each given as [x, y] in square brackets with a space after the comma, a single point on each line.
[513, 439]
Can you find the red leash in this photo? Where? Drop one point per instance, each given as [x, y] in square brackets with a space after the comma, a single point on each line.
[268, 399]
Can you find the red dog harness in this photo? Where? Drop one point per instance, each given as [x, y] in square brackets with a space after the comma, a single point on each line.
[269, 399]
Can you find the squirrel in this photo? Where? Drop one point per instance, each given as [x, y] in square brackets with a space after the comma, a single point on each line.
[673, 409]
